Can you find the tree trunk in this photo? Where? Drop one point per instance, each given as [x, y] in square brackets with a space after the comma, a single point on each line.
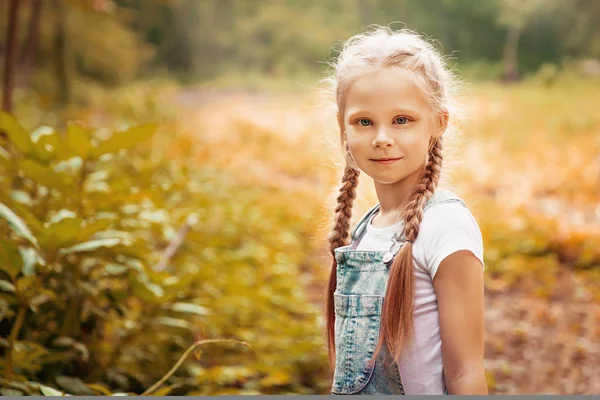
[28, 56]
[11, 55]
[60, 54]
[511, 54]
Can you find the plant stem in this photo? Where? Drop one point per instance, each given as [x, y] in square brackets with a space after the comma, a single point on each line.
[14, 334]
[182, 359]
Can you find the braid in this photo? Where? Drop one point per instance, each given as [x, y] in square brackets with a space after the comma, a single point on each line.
[343, 210]
[338, 238]
[423, 191]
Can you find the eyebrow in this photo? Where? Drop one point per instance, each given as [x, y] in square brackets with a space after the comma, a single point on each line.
[409, 111]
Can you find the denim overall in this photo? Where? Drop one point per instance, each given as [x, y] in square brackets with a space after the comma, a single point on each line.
[358, 299]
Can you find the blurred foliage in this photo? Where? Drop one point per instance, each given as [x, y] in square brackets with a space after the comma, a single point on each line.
[529, 171]
[86, 295]
[195, 41]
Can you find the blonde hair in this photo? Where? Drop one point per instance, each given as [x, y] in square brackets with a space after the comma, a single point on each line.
[377, 48]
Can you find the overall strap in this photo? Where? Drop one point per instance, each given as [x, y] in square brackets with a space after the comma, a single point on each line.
[361, 225]
[443, 196]
[439, 196]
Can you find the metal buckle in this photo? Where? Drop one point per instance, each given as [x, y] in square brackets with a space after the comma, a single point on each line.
[388, 256]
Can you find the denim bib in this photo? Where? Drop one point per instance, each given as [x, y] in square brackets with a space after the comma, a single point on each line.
[358, 300]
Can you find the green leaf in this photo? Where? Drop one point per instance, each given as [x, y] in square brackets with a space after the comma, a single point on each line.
[30, 258]
[90, 228]
[74, 385]
[5, 311]
[28, 218]
[65, 341]
[126, 237]
[22, 197]
[10, 259]
[46, 144]
[49, 391]
[125, 139]
[7, 286]
[16, 133]
[5, 156]
[190, 308]
[28, 286]
[174, 323]
[41, 298]
[146, 290]
[163, 391]
[62, 214]
[91, 245]
[78, 140]
[115, 269]
[70, 166]
[43, 174]
[41, 131]
[17, 224]
[27, 355]
[10, 392]
[100, 389]
[62, 231]
[25, 387]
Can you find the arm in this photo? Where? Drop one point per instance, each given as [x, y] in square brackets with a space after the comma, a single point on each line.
[458, 284]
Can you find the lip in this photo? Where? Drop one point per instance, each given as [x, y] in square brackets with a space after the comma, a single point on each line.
[386, 161]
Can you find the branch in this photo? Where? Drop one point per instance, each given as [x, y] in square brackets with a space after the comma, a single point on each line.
[175, 243]
[184, 356]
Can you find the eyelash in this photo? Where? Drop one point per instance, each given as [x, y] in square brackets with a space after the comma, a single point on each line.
[366, 119]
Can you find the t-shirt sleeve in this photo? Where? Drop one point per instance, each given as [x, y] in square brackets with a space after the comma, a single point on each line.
[445, 229]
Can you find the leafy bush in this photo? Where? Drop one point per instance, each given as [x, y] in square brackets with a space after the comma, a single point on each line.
[115, 258]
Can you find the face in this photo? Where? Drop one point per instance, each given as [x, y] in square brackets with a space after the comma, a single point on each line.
[387, 116]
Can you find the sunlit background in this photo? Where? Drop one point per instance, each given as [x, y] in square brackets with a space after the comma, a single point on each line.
[168, 173]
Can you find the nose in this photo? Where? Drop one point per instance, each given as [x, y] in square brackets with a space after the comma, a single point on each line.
[382, 138]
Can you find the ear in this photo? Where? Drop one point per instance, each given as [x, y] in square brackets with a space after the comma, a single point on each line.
[442, 123]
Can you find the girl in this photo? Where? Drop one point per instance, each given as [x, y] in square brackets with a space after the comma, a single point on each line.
[405, 297]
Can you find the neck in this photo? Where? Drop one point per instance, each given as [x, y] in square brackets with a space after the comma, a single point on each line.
[393, 197]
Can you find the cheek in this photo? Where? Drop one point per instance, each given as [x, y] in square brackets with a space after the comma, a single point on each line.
[356, 142]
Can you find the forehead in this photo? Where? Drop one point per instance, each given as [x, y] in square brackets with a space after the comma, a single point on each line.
[385, 90]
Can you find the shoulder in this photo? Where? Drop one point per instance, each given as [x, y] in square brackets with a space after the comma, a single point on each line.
[447, 215]
[447, 226]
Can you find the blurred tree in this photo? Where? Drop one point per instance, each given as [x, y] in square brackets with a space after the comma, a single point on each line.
[204, 39]
[10, 57]
[28, 55]
[579, 27]
[514, 15]
[61, 53]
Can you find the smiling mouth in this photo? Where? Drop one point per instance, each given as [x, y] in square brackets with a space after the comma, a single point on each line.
[385, 160]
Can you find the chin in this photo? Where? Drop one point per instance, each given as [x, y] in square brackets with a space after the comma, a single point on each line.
[386, 180]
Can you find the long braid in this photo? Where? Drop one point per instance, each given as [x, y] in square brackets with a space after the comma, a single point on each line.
[423, 191]
[337, 238]
[343, 211]
[397, 314]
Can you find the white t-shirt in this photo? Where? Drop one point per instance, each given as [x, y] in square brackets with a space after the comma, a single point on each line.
[445, 229]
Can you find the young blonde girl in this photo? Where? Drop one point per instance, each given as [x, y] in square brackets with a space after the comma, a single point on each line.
[404, 310]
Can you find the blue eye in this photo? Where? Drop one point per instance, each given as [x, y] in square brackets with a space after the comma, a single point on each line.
[364, 122]
[401, 120]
